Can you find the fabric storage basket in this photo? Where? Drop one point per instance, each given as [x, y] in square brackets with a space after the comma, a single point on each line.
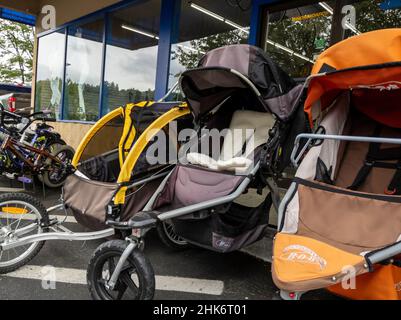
[88, 199]
[238, 227]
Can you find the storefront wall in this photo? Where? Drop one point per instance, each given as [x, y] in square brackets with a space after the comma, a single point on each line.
[135, 50]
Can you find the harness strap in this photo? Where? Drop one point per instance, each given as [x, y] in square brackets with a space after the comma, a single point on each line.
[373, 152]
[375, 158]
[394, 188]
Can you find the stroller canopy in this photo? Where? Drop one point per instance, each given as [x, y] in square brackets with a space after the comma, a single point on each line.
[239, 71]
[370, 66]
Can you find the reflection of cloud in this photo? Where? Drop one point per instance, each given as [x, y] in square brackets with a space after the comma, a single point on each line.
[84, 60]
[51, 56]
[131, 68]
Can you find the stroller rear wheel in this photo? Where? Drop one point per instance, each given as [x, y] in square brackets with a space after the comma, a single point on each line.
[167, 235]
[136, 280]
[20, 215]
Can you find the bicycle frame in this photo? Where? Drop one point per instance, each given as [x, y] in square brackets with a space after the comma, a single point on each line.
[9, 144]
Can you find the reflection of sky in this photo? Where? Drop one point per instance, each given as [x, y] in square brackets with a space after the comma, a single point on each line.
[175, 67]
[50, 57]
[84, 60]
[128, 68]
[131, 68]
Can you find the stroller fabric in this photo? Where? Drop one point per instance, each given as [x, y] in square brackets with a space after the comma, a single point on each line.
[344, 205]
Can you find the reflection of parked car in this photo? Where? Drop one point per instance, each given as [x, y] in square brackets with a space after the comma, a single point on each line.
[16, 98]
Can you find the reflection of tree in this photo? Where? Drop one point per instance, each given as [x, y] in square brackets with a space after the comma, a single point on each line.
[118, 97]
[370, 17]
[299, 36]
[113, 98]
[189, 58]
[44, 95]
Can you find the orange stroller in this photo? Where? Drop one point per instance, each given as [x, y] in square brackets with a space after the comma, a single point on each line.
[340, 221]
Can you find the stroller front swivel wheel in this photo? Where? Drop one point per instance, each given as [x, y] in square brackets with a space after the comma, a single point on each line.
[136, 280]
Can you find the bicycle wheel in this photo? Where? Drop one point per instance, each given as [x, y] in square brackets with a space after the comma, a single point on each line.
[136, 280]
[21, 215]
[55, 176]
[52, 148]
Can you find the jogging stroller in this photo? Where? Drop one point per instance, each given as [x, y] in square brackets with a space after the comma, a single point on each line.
[112, 166]
[236, 96]
[113, 179]
[341, 217]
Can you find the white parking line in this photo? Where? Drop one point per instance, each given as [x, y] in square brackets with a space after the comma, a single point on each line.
[167, 283]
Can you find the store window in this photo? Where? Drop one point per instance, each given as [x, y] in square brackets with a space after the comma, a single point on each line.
[295, 37]
[49, 72]
[131, 55]
[205, 25]
[83, 71]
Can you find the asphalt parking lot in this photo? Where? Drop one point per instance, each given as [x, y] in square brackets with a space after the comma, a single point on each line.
[190, 274]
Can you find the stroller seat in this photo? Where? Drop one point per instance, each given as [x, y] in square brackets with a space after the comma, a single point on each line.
[248, 130]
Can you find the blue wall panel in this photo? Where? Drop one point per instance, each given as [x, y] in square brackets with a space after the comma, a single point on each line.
[168, 34]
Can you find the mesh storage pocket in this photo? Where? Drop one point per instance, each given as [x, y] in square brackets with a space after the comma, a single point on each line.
[224, 232]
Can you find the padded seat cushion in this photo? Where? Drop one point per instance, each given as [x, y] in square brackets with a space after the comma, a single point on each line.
[248, 130]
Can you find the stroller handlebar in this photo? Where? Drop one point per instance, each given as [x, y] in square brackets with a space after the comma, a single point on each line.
[141, 220]
[296, 157]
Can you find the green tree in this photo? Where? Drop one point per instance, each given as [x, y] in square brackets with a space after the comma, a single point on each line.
[16, 52]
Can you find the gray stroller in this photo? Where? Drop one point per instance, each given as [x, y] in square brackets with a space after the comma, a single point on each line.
[245, 111]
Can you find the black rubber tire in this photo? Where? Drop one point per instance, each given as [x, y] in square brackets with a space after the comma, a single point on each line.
[45, 176]
[162, 233]
[137, 259]
[45, 220]
[59, 142]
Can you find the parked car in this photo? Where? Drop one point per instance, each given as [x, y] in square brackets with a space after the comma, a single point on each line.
[16, 98]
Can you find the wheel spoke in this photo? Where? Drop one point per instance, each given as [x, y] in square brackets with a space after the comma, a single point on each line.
[126, 279]
[122, 287]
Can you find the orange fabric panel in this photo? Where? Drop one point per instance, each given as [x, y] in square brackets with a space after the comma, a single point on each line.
[376, 47]
[368, 49]
[326, 88]
[383, 284]
[298, 258]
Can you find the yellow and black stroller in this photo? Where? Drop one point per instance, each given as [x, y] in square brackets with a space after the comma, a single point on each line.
[340, 221]
[112, 179]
